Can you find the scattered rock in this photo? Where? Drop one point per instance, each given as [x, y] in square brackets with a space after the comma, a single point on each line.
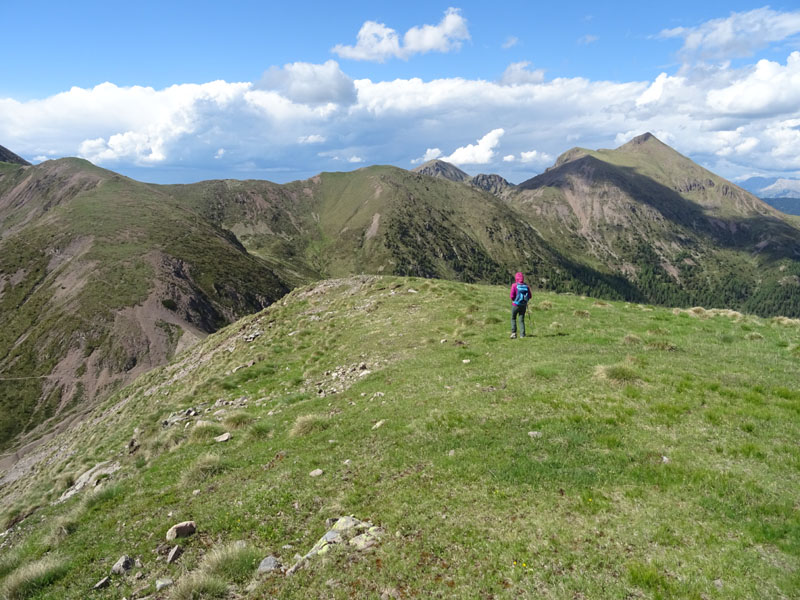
[162, 583]
[181, 530]
[224, 437]
[347, 523]
[379, 424]
[718, 583]
[103, 583]
[269, 565]
[665, 459]
[347, 462]
[124, 564]
[195, 492]
[466, 361]
[359, 535]
[174, 554]
[367, 539]
[412, 291]
[162, 549]
[316, 473]
[246, 365]
[451, 453]
[250, 337]
[535, 434]
[91, 477]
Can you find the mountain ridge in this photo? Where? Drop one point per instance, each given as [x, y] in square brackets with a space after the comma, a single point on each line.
[153, 263]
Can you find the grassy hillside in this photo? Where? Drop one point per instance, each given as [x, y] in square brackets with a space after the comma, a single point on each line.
[386, 220]
[619, 450]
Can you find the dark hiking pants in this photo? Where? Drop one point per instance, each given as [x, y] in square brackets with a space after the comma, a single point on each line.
[518, 310]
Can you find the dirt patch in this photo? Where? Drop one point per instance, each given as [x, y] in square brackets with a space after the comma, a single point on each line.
[75, 248]
[18, 277]
[70, 282]
[373, 228]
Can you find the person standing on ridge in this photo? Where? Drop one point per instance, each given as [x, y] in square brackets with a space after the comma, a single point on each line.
[520, 294]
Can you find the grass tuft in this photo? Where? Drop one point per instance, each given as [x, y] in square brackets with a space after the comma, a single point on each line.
[307, 424]
[238, 420]
[205, 430]
[32, 577]
[631, 339]
[260, 430]
[206, 466]
[616, 373]
[235, 562]
[199, 586]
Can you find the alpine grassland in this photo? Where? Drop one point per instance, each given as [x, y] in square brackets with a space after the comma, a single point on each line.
[620, 450]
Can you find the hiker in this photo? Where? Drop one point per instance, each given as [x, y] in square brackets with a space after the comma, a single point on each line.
[520, 294]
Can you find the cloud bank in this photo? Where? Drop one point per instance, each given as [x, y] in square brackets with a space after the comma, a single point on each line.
[303, 118]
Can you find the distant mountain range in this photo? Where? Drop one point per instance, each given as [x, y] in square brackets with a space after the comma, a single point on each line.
[780, 193]
[772, 187]
[103, 277]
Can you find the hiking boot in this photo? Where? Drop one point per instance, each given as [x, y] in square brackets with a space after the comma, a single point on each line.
[513, 336]
[522, 335]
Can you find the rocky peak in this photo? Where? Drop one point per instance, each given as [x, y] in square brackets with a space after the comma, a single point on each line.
[442, 169]
[492, 183]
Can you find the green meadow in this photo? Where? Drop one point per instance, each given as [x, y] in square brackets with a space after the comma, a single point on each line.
[618, 451]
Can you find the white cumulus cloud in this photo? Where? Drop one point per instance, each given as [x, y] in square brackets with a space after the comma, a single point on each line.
[517, 73]
[738, 35]
[377, 42]
[430, 154]
[309, 83]
[769, 88]
[534, 156]
[480, 153]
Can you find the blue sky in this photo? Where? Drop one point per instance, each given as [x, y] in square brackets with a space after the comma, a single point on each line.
[179, 91]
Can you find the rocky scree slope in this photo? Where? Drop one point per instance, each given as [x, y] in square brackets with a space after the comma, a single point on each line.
[101, 279]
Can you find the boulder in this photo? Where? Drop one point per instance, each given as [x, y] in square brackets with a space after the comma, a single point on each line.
[162, 583]
[223, 438]
[174, 554]
[181, 530]
[269, 565]
[125, 563]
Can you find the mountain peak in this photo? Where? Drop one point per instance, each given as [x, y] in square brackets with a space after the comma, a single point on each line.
[645, 140]
[641, 139]
[8, 156]
[442, 169]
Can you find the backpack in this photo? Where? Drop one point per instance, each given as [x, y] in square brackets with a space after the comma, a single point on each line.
[523, 295]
